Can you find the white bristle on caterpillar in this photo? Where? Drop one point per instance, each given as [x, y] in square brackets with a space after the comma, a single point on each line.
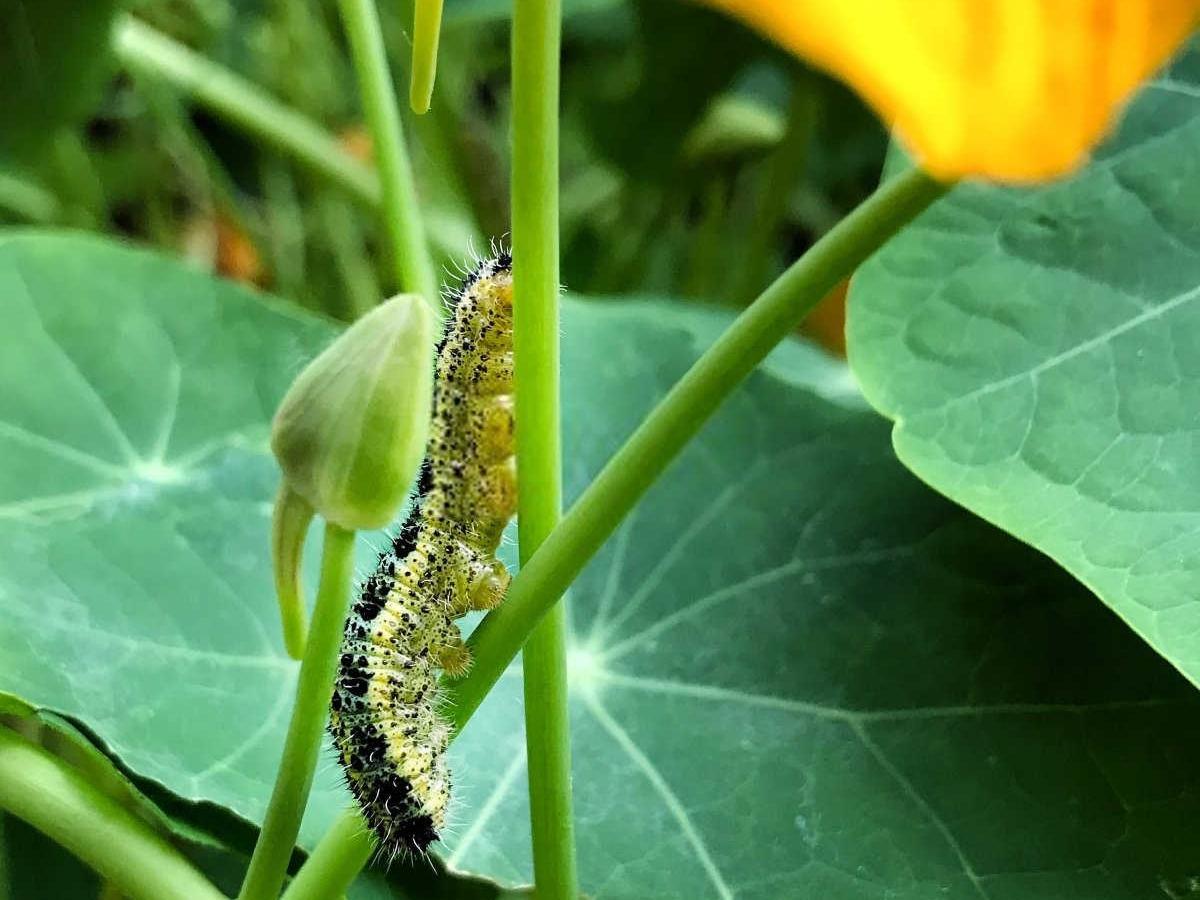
[386, 721]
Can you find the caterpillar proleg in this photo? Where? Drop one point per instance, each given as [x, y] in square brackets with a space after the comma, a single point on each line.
[389, 731]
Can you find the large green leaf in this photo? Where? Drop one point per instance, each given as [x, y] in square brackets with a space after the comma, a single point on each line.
[797, 672]
[1039, 352]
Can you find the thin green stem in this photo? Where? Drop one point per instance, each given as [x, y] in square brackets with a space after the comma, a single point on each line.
[337, 860]
[427, 29]
[285, 231]
[277, 839]
[57, 800]
[410, 252]
[781, 175]
[27, 199]
[676, 419]
[289, 526]
[657, 441]
[535, 50]
[141, 48]
[350, 255]
[75, 180]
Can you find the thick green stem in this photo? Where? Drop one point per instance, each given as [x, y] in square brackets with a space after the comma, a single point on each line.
[410, 252]
[676, 419]
[243, 104]
[273, 851]
[57, 800]
[766, 322]
[535, 51]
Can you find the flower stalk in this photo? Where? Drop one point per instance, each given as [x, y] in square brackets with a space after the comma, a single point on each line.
[535, 66]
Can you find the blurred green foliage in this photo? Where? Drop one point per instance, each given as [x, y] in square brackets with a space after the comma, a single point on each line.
[680, 129]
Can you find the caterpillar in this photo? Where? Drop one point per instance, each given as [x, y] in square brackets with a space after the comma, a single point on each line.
[387, 725]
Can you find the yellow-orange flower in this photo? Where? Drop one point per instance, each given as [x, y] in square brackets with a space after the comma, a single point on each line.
[1015, 90]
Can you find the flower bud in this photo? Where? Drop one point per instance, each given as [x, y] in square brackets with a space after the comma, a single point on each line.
[734, 128]
[351, 431]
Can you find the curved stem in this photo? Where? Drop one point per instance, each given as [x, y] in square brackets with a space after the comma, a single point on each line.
[289, 525]
[57, 800]
[410, 253]
[141, 48]
[277, 839]
[535, 50]
[657, 441]
[676, 419]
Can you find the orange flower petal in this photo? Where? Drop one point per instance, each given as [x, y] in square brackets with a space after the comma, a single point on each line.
[1015, 90]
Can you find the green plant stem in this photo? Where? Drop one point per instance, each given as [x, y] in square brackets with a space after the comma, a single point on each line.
[337, 860]
[75, 180]
[781, 175]
[146, 51]
[289, 525]
[402, 214]
[676, 419]
[27, 199]
[648, 451]
[277, 839]
[535, 51]
[350, 255]
[57, 800]
[427, 28]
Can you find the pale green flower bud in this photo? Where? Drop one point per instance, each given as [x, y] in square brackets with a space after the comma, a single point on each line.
[734, 128]
[351, 432]
[350, 435]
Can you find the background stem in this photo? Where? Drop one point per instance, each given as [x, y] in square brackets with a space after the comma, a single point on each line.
[402, 216]
[277, 839]
[785, 166]
[146, 51]
[676, 419]
[657, 441]
[27, 199]
[535, 51]
[57, 800]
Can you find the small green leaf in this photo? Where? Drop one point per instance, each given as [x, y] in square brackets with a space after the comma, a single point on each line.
[796, 671]
[1038, 350]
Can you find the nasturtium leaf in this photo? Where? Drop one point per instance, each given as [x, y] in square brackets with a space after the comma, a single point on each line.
[796, 671]
[1040, 353]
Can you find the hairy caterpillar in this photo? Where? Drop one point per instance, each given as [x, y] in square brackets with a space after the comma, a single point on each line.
[386, 723]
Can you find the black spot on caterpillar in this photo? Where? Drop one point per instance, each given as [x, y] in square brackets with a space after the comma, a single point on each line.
[386, 722]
